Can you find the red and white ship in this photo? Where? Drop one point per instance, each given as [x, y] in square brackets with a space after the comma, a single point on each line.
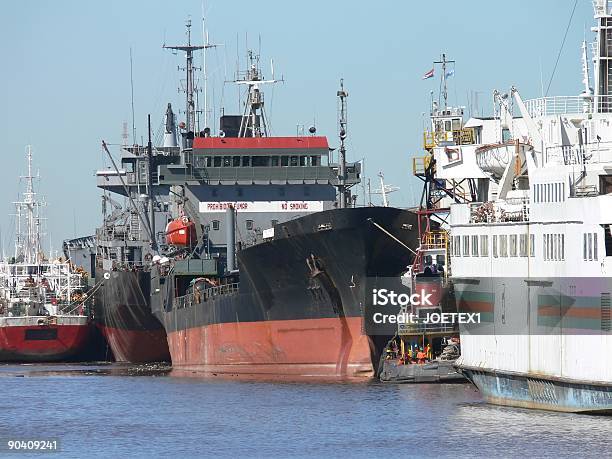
[42, 314]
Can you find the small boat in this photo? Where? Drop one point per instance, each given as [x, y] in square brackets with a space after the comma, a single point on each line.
[42, 302]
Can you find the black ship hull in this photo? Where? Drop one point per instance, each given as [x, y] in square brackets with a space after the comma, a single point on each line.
[122, 312]
[302, 301]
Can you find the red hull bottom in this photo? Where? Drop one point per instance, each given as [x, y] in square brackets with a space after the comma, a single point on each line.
[48, 343]
[333, 347]
[137, 346]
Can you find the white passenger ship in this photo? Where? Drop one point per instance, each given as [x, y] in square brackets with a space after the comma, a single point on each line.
[532, 249]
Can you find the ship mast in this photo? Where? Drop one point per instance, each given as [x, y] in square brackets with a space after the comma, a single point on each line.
[254, 122]
[190, 88]
[443, 61]
[342, 121]
[28, 246]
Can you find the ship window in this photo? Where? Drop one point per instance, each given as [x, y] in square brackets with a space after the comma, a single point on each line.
[249, 224]
[294, 161]
[590, 239]
[447, 125]
[466, 246]
[513, 245]
[484, 246]
[215, 225]
[227, 161]
[503, 245]
[605, 184]
[523, 245]
[595, 246]
[314, 160]
[456, 124]
[584, 246]
[261, 161]
[474, 245]
[532, 245]
[562, 249]
[302, 161]
[563, 192]
[217, 161]
[246, 161]
[457, 246]
[284, 161]
[535, 193]
[274, 161]
[506, 136]
[236, 161]
[128, 166]
[495, 245]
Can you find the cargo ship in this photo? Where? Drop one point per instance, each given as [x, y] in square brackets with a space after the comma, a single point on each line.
[531, 252]
[43, 317]
[265, 261]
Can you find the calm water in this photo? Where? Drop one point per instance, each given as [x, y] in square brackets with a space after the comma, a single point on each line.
[116, 415]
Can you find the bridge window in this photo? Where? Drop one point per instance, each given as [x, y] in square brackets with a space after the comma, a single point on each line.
[503, 245]
[294, 161]
[484, 246]
[474, 245]
[275, 161]
[302, 160]
[246, 161]
[227, 161]
[314, 160]
[236, 161]
[261, 161]
[217, 161]
[495, 245]
[466, 246]
[457, 246]
[284, 161]
[447, 125]
[456, 124]
[513, 245]
[523, 245]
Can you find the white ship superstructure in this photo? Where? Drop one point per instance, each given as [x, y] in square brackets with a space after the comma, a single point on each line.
[532, 250]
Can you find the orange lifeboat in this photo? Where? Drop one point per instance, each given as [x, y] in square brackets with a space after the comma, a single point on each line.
[181, 232]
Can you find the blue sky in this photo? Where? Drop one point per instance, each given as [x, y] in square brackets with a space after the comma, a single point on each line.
[65, 79]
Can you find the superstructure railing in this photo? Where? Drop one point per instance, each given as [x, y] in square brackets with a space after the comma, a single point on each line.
[188, 300]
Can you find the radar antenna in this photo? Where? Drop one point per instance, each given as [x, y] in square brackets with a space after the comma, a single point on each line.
[254, 122]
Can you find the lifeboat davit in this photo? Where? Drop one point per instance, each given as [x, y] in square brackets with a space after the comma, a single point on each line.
[181, 232]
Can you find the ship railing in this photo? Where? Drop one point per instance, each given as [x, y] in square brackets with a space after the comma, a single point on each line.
[426, 328]
[559, 105]
[590, 153]
[463, 136]
[190, 299]
[507, 210]
[267, 174]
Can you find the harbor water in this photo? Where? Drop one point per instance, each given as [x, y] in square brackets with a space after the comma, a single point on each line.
[115, 411]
